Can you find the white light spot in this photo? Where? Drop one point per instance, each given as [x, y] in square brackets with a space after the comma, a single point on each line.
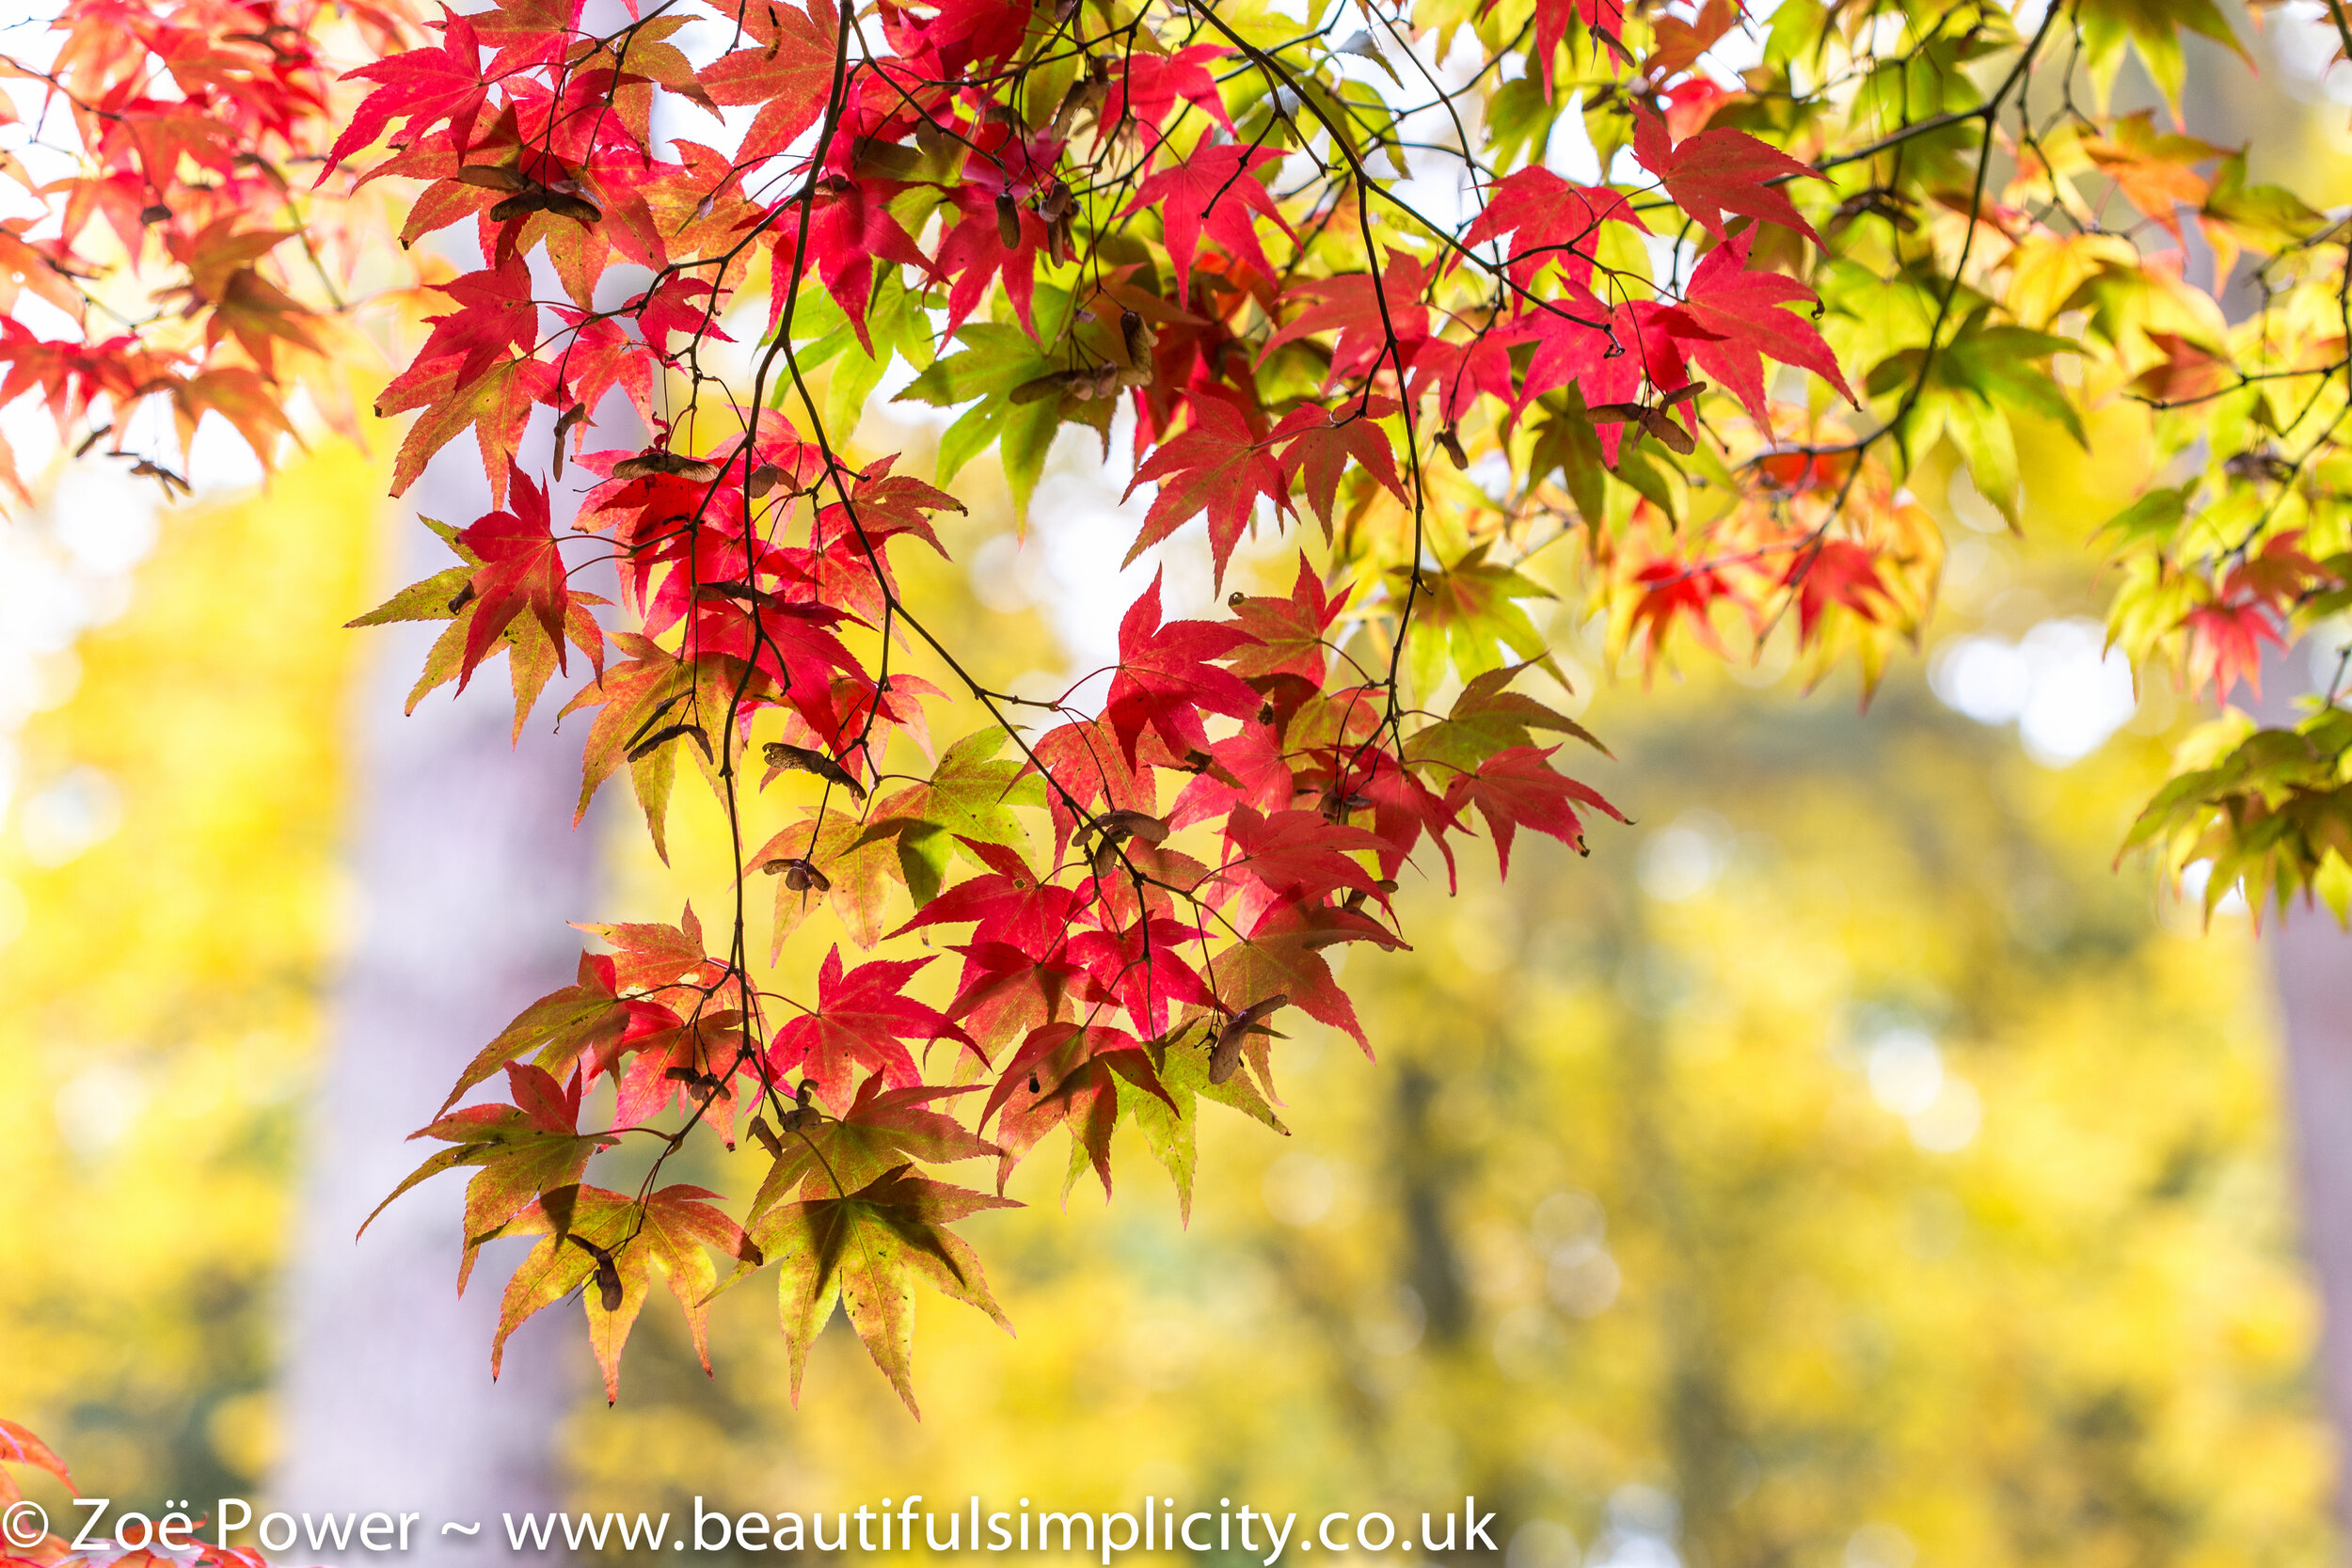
[1584, 1287]
[1949, 1125]
[1569, 1225]
[1299, 1189]
[80, 810]
[2065, 691]
[1683, 859]
[97, 1106]
[1906, 1072]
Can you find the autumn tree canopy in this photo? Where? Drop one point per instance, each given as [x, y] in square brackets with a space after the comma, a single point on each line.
[1685, 296]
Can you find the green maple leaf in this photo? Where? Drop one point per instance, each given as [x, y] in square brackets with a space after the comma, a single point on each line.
[598, 1242]
[1469, 614]
[867, 1251]
[1017, 404]
[1171, 1126]
[883, 1129]
[1489, 718]
[2154, 28]
[1975, 383]
[972, 795]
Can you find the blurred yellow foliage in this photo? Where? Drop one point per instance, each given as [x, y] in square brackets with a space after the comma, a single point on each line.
[163, 1007]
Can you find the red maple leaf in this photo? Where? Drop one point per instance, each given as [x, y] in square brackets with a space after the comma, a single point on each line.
[1066, 1075]
[1364, 312]
[1322, 441]
[2277, 575]
[1248, 767]
[521, 569]
[1404, 808]
[1282, 956]
[1291, 857]
[1840, 571]
[496, 315]
[1605, 18]
[1141, 967]
[1165, 681]
[1721, 171]
[1287, 635]
[1674, 590]
[1515, 789]
[786, 69]
[1213, 191]
[431, 84]
[651, 956]
[2225, 646]
[1741, 312]
[1008, 903]
[1089, 764]
[597, 358]
[1219, 466]
[1552, 222]
[861, 1019]
[848, 229]
[1007, 989]
[1149, 85]
[974, 253]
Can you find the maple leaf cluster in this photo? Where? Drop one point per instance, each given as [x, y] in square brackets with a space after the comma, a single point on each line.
[706, 237]
[181, 261]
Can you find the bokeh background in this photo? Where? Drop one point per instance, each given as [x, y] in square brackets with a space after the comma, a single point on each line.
[1849, 1164]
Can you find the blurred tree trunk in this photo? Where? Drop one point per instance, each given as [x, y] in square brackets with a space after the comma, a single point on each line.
[465, 868]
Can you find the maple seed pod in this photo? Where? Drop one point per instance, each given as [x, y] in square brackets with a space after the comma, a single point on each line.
[1037, 389]
[535, 198]
[1007, 219]
[767, 1136]
[787, 758]
[154, 214]
[1140, 339]
[1452, 445]
[1225, 1056]
[1130, 824]
[762, 481]
[798, 874]
[564, 423]
[609, 1285]
[654, 460]
[492, 177]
